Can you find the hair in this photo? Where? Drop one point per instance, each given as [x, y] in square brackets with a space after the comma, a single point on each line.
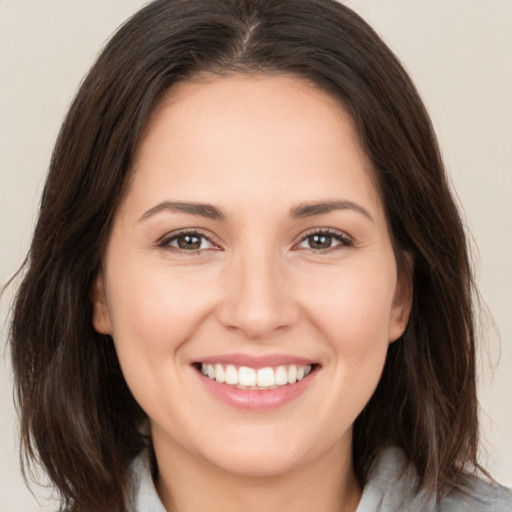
[78, 419]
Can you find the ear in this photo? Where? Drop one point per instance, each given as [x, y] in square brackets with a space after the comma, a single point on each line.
[402, 301]
[101, 314]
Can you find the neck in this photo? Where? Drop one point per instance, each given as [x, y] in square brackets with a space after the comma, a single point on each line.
[188, 484]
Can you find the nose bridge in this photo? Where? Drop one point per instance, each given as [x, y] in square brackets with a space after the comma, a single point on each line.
[257, 300]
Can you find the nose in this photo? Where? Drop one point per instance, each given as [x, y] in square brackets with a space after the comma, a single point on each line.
[258, 297]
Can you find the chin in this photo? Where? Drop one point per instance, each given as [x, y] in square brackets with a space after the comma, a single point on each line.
[260, 457]
[258, 465]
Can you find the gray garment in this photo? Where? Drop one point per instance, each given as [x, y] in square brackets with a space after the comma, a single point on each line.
[390, 489]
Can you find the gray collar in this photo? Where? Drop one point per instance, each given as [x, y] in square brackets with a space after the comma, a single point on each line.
[391, 488]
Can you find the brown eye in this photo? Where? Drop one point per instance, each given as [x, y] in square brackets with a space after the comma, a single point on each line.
[187, 242]
[325, 241]
[319, 241]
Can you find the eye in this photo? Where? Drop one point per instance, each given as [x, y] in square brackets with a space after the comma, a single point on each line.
[187, 241]
[324, 240]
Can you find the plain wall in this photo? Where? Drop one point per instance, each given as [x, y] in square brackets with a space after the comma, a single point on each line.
[459, 53]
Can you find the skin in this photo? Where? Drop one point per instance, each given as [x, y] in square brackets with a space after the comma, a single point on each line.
[255, 148]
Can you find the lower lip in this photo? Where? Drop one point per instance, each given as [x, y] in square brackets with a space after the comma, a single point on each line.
[253, 399]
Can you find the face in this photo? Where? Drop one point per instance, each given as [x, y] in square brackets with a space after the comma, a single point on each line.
[251, 246]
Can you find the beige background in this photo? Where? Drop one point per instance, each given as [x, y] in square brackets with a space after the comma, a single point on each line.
[459, 53]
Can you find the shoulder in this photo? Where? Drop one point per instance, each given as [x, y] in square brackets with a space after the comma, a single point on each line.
[478, 496]
[392, 487]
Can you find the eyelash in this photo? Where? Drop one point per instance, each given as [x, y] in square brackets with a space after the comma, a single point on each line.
[343, 239]
[339, 236]
[165, 242]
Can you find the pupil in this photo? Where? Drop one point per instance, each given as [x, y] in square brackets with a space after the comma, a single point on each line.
[189, 242]
[320, 241]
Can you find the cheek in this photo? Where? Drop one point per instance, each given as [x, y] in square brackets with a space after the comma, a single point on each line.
[153, 316]
[153, 313]
[353, 305]
[353, 318]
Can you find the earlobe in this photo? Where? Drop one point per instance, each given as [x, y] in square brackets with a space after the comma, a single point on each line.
[402, 302]
[100, 314]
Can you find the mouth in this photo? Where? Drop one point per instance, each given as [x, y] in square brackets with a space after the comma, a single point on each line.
[256, 383]
[255, 379]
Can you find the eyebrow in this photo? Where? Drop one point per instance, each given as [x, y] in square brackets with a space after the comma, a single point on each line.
[304, 210]
[203, 210]
[301, 211]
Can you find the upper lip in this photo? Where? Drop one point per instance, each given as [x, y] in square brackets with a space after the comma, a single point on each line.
[256, 362]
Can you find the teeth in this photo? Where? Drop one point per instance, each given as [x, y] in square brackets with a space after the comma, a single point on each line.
[266, 377]
[244, 377]
[220, 374]
[281, 376]
[231, 375]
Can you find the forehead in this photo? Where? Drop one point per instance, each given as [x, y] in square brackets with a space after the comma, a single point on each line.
[277, 134]
[243, 100]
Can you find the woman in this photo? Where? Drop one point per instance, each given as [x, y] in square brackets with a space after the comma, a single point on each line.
[248, 286]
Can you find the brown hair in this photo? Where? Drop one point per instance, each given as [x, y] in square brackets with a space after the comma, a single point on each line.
[78, 418]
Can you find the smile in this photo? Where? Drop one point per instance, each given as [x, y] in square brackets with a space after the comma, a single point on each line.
[246, 378]
[256, 383]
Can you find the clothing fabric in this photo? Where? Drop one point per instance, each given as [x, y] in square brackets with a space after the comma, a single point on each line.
[390, 488]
